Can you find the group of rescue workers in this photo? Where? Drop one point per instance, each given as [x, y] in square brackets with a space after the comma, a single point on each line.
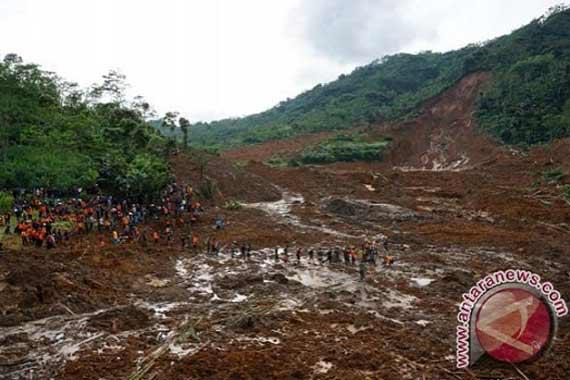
[368, 254]
[49, 222]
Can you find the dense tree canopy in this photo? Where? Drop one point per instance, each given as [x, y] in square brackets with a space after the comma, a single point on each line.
[54, 135]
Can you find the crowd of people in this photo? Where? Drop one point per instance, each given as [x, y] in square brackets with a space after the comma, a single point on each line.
[48, 222]
[41, 221]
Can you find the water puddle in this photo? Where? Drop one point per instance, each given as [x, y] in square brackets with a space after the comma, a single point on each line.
[422, 282]
[282, 210]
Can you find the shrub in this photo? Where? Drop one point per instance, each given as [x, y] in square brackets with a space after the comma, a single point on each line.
[342, 148]
[566, 192]
[146, 176]
[553, 176]
[6, 202]
[207, 189]
[277, 162]
[233, 205]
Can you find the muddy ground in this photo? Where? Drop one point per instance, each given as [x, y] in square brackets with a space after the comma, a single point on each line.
[452, 215]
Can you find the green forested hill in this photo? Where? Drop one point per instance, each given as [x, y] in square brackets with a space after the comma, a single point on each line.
[54, 135]
[526, 104]
[57, 136]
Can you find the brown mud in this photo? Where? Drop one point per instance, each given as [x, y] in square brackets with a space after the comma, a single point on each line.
[454, 205]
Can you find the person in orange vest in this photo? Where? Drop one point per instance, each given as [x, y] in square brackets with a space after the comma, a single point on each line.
[40, 237]
[24, 236]
[194, 241]
[156, 237]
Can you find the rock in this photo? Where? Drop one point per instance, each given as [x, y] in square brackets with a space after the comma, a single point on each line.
[240, 281]
[279, 278]
[464, 279]
[367, 211]
[244, 322]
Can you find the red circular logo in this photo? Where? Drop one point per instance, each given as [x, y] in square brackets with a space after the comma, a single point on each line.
[514, 325]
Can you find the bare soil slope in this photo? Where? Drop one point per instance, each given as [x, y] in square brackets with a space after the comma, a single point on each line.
[444, 136]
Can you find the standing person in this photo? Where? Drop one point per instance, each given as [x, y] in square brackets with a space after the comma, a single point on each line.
[234, 248]
[248, 250]
[50, 241]
[169, 232]
[115, 237]
[362, 270]
[312, 255]
[143, 238]
[156, 237]
[329, 257]
[372, 256]
[320, 255]
[337, 255]
[299, 253]
[286, 254]
[100, 224]
[346, 255]
[277, 254]
[208, 245]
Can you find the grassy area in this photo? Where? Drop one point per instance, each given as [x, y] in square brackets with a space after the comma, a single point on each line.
[12, 240]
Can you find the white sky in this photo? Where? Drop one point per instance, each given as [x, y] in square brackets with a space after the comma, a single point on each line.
[210, 59]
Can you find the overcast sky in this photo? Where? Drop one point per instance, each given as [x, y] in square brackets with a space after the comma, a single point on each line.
[211, 59]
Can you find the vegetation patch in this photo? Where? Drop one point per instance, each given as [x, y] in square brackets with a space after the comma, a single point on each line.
[233, 205]
[553, 175]
[342, 148]
[277, 162]
[566, 193]
[6, 202]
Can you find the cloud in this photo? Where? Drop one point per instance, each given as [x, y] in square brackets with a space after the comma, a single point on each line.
[358, 31]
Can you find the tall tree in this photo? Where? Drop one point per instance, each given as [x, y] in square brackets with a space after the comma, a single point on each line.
[170, 120]
[112, 89]
[184, 127]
